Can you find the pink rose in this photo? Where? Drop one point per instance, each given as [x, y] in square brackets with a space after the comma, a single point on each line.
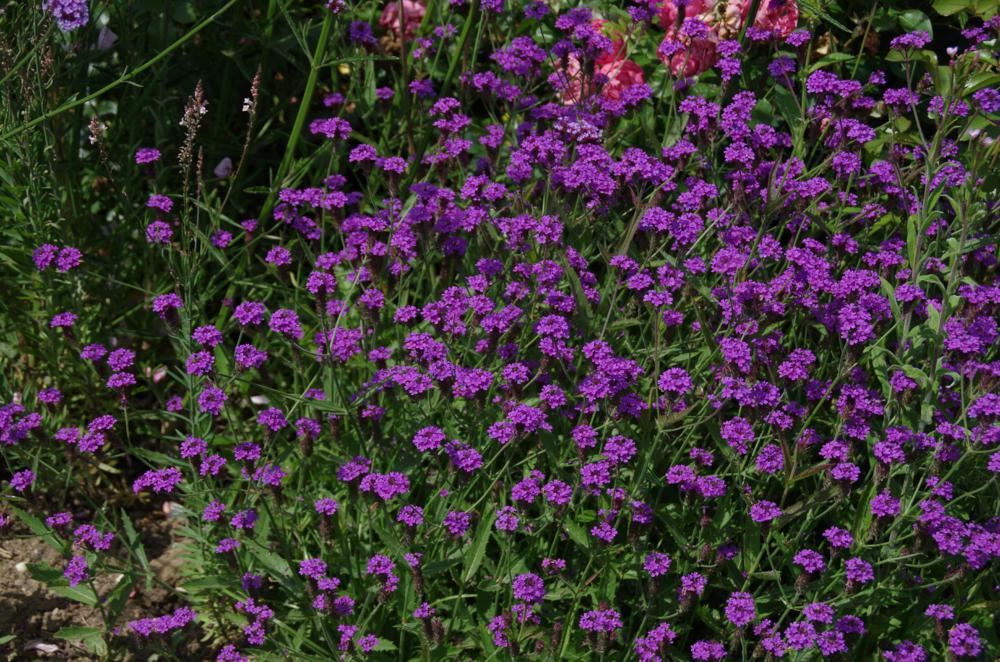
[690, 55]
[621, 74]
[612, 68]
[413, 15]
[779, 16]
[616, 74]
[669, 15]
[694, 56]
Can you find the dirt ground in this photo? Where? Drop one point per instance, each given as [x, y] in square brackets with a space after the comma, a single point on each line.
[34, 614]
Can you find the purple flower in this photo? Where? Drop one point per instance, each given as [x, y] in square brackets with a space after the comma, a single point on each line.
[68, 258]
[213, 511]
[963, 641]
[76, 570]
[326, 506]
[506, 519]
[69, 14]
[601, 620]
[273, 419]
[428, 439]
[286, 322]
[859, 571]
[227, 545]
[247, 356]
[146, 627]
[22, 480]
[159, 232]
[211, 400]
[738, 434]
[885, 505]
[158, 480]
[313, 568]
[410, 515]
[707, 650]
[279, 256]
[764, 511]
[145, 155]
[656, 564]
[838, 538]
[906, 651]
[63, 320]
[160, 202]
[810, 561]
[200, 363]
[770, 459]
[740, 609]
[250, 313]
[208, 335]
[529, 588]
[940, 612]
[164, 303]
[910, 40]
[457, 523]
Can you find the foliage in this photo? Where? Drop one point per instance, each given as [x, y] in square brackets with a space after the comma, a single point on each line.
[513, 329]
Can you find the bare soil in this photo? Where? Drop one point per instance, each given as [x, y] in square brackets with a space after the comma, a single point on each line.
[34, 614]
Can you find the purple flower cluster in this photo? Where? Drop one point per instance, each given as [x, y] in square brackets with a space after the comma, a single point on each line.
[743, 370]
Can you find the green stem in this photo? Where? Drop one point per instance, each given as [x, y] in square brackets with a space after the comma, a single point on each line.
[300, 118]
[124, 78]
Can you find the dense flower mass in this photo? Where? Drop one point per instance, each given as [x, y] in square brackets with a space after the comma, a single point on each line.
[664, 330]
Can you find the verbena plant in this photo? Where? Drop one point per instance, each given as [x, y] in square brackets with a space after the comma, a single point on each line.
[503, 330]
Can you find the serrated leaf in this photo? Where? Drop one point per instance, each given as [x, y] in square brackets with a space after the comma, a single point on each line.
[577, 534]
[385, 645]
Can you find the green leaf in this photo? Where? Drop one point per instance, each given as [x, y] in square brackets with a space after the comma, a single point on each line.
[117, 597]
[135, 546]
[216, 582]
[577, 534]
[950, 7]
[78, 593]
[74, 633]
[93, 637]
[270, 560]
[913, 20]
[787, 106]
[184, 13]
[830, 59]
[38, 528]
[43, 572]
[474, 555]
[979, 81]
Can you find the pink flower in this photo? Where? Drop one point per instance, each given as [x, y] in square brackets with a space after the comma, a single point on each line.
[620, 74]
[613, 73]
[684, 53]
[692, 57]
[413, 15]
[779, 16]
[668, 13]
